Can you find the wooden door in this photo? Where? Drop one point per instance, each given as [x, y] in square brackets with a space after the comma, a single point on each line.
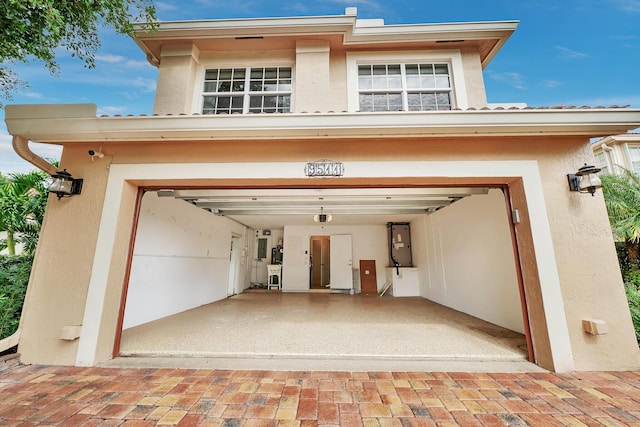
[320, 262]
[368, 280]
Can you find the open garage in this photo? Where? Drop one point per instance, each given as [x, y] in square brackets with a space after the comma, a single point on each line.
[199, 286]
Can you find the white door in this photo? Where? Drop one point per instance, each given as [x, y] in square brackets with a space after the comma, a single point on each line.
[341, 262]
[232, 284]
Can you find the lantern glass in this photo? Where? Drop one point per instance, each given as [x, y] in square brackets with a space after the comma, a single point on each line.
[61, 185]
[590, 181]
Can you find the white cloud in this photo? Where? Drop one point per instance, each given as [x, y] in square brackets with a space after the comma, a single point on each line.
[34, 95]
[165, 7]
[137, 64]
[5, 141]
[550, 84]
[147, 85]
[624, 37]
[47, 151]
[513, 79]
[111, 59]
[571, 54]
[10, 162]
[632, 6]
[299, 7]
[110, 110]
[366, 5]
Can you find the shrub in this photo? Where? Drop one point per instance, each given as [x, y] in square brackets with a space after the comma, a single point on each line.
[14, 277]
[632, 289]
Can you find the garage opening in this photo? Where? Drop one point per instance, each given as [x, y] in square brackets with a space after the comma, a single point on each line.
[199, 282]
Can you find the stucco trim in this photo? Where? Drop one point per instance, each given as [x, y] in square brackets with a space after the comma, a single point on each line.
[119, 176]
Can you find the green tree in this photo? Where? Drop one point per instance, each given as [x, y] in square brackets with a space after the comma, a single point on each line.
[35, 29]
[23, 198]
[622, 198]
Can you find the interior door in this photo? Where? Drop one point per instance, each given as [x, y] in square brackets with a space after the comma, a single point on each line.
[320, 262]
[232, 283]
[341, 262]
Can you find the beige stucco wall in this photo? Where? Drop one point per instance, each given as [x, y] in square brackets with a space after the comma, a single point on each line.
[177, 80]
[591, 285]
[62, 268]
[319, 66]
[474, 80]
[312, 76]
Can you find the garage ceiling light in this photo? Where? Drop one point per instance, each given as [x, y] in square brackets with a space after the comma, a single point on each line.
[322, 217]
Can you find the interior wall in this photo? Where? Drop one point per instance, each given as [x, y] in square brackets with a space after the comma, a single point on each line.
[180, 259]
[258, 272]
[368, 242]
[468, 252]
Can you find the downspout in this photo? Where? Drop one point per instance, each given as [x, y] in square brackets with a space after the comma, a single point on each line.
[21, 147]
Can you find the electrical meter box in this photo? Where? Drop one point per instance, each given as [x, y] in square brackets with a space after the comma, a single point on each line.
[399, 244]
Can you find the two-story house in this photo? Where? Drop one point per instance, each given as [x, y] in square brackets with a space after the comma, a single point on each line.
[332, 148]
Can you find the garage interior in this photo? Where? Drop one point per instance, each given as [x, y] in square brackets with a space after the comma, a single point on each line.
[196, 287]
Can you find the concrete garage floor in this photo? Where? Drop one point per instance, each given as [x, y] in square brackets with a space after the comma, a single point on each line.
[272, 330]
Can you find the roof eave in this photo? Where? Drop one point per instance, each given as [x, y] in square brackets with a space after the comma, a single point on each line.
[345, 25]
[588, 123]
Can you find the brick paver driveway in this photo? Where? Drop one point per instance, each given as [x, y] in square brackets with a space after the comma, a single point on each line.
[68, 396]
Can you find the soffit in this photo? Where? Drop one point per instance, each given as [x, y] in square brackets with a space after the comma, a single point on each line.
[209, 46]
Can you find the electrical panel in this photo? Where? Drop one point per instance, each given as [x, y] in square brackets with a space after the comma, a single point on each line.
[399, 244]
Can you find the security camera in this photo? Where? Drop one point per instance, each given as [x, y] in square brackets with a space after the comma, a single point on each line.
[94, 154]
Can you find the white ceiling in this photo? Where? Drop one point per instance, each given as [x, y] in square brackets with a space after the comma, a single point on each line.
[274, 208]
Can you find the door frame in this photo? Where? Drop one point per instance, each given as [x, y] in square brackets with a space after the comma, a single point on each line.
[110, 269]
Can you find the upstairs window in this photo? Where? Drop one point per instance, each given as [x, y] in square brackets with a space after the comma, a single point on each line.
[634, 156]
[404, 87]
[247, 90]
[602, 161]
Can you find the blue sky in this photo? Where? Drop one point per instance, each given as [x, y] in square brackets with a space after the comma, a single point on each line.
[571, 52]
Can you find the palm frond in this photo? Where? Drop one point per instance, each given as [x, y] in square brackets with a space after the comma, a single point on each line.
[622, 200]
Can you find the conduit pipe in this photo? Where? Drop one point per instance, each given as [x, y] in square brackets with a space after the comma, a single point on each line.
[21, 147]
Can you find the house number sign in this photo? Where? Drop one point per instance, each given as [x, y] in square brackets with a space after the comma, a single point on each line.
[324, 168]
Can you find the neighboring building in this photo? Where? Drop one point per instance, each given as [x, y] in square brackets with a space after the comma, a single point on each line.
[615, 153]
[246, 114]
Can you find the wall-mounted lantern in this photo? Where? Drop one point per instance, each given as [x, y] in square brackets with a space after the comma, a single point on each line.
[585, 180]
[64, 185]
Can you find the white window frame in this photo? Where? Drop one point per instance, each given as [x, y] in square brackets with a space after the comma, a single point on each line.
[404, 91]
[629, 149]
[607, 161]
[247, 93]
[452, 58]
